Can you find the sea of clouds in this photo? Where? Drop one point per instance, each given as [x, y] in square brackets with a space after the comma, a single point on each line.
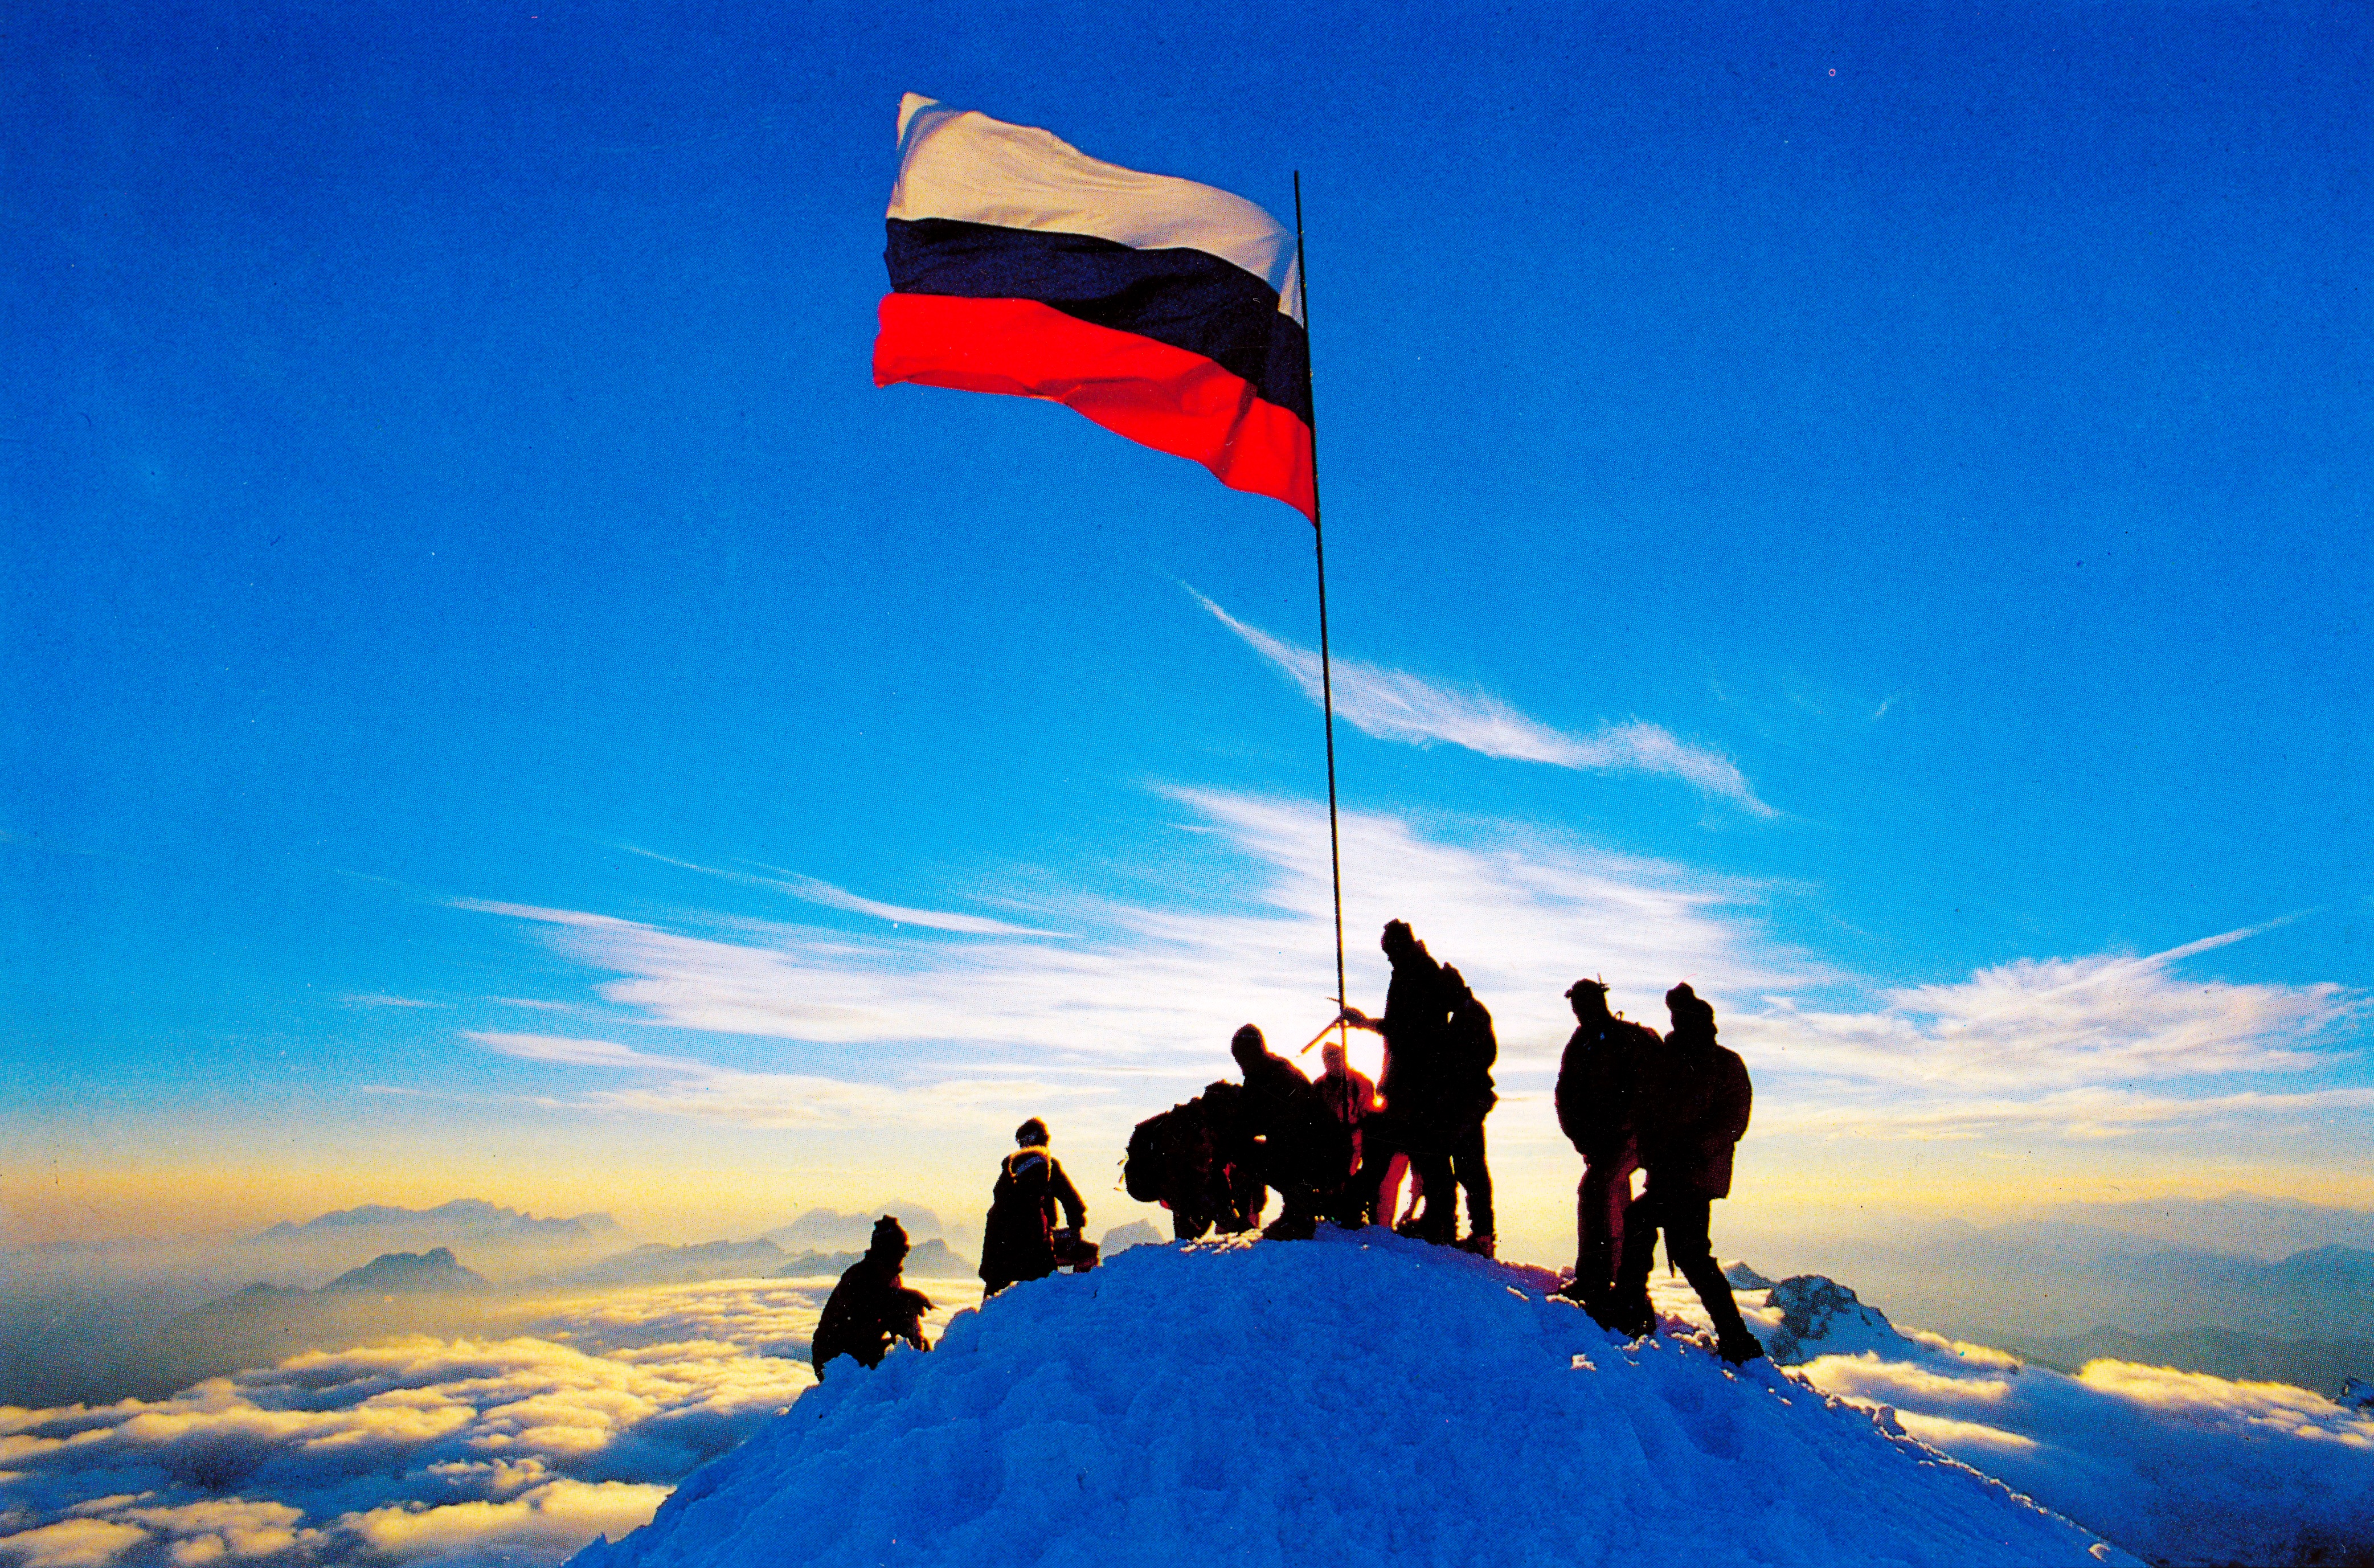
[579, 1417]
[576, 1420]
[2182, 1468]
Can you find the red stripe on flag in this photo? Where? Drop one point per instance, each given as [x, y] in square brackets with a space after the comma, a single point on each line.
[1166, 398]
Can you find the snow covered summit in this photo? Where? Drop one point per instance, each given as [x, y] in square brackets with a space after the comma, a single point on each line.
[1355, 1398]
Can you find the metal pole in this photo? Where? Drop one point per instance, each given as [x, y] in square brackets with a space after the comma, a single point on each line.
[1326, 674]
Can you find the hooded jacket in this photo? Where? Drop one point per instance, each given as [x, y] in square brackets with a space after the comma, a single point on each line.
[1017, 1242]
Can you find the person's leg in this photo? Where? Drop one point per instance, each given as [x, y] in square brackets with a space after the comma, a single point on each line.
[1473, 1175]
[1440, 1223]
[1377, 1184]
[1580, 1287]
[1629, 1311]
[1599, 1221]
[1687, 1244]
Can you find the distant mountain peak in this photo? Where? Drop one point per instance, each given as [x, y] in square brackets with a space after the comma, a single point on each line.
[1821, 1317]
[823, 1229]
[434, 1272]
[472, 1216]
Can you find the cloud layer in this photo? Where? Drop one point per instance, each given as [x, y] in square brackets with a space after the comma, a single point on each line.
[2184, 1468]
[522, 1448]
[1395, 705]
[2180, 1467]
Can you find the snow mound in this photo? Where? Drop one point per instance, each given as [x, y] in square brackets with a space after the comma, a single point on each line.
[1359, 1398]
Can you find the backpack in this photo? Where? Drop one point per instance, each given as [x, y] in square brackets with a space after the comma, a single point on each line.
[1141, 1166]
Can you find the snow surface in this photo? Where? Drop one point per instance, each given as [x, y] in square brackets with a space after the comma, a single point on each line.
[1355, 1397]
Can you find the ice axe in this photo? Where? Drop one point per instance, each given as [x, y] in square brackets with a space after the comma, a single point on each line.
[1343, 1018]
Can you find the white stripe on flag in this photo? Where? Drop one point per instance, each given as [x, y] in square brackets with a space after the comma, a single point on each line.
[962, 165]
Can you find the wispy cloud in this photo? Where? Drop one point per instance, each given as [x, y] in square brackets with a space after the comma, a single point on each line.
[1143, 984]
[1395, 705]
[812, 891]
[683, 1086]
[2096, 1046]
[2080, 1048]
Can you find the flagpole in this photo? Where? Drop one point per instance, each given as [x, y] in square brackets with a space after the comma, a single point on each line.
[1326, 671]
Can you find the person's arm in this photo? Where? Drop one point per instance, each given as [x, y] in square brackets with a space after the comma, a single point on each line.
[912, 1305]
[1568, 1095]
[1066, 1194]
[1739, 1098]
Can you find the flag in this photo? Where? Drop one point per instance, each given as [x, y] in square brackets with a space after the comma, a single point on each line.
[1162, 309]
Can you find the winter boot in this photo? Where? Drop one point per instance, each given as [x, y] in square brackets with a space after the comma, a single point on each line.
[1739, 1347]
[1298, 1223]
[1632, 1317]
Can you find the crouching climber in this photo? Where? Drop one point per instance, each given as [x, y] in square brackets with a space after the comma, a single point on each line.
[1691, 1109]
[1197, 1160]
[1298, 1146]
[871, 1308]
[1020, 1241]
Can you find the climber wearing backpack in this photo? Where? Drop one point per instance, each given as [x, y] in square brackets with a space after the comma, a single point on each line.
[1020, 1239]
[1689, 1112]
[1597, 1081]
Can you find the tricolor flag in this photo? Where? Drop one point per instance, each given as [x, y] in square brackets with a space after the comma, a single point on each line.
[1159, 308]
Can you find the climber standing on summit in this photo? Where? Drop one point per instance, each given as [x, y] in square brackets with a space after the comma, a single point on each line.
[1470, 1048]
[1598, 1079]
[1415, 1026]
[1020, 1241]
[1690, 1110]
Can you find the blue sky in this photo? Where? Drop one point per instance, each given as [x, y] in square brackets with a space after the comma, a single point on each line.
[468, 615]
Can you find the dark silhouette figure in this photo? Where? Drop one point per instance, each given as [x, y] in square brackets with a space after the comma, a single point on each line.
[1299, 1147]
[1470, 1049]
[1197, 1160]
[1598, 1077]
[1020, 1241]
[1348, 1095]
[1412, 1123]
[871, 1308]
[1689, 1112]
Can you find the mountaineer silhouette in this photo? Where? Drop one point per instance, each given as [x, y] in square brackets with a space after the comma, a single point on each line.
[1689, 1112]
[1598, 1077]
[1196, 1159]
[1020, 1239]
[1414, 1123]
[1348, 1095]
[1299, 1146]
[1470, 1048]
[871, 1308]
